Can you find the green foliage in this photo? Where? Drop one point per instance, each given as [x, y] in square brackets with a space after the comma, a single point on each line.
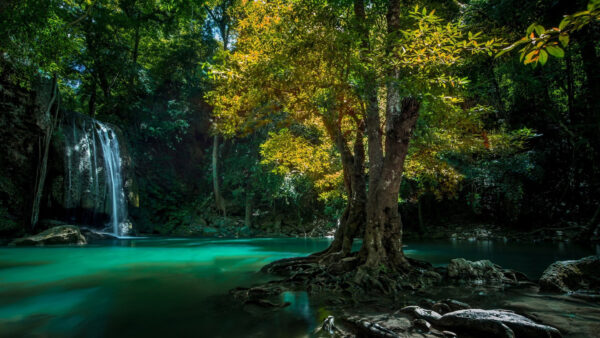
[540, 42]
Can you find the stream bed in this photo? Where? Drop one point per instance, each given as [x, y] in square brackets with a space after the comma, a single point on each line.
[157, 287]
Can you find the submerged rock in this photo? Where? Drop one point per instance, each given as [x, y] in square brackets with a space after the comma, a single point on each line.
[495, 323]
[64, 234]
[570, 276]
[482, 272]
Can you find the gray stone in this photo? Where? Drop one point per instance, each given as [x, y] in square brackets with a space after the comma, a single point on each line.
[495, 323]
[92, 235]
[479, 272]
[456, 305]
[64, 234]
[570, 276]
[418, 312]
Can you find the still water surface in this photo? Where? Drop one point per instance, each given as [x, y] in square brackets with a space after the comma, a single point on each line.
[157, 287]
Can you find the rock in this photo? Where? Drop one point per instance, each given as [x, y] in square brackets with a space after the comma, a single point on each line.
[428, 315]
[455, 305]
[64, 234]
[363, 327]
[328, 327]
[495, 323]
[570, 276]
[479, 272]
[421, 325]
[449, 334]
[92, 235]
[441, 308]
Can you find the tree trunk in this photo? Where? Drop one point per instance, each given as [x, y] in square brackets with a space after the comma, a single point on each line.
[92, 101]
[219, 201]
[382, 244]
[353, 218]
[570, 85]
[420, 212]
[43, 165]
[248, 211]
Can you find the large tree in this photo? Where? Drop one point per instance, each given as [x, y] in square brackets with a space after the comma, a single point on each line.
[359, 73]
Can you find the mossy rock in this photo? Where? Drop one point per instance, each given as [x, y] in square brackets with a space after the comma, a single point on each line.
[64, 234]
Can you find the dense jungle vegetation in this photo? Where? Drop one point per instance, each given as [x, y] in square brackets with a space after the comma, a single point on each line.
[247, 113]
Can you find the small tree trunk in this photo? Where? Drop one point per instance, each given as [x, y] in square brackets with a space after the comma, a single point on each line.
[248, 213]
[219, 201]
[43, 166]
[353, 218]
[570, 84]
[420, 212]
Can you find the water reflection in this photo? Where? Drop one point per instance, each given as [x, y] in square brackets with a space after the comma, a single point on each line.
[178, 287]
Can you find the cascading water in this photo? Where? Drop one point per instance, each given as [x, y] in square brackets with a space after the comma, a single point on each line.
[112, 162]
[94, 180]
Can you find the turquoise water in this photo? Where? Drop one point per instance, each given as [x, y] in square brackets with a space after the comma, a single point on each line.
[178, 287]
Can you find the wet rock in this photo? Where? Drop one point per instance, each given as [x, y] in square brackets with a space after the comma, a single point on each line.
[449, 334]
[92, 235]
[479, 272]
[363, 327]
[328, 328]
[456, 305]
[418, 312]
[495, 323]
[422, 325]
[570, 276]
[64, 234]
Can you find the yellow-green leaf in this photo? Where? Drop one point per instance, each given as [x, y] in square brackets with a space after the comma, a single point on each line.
[555, 51]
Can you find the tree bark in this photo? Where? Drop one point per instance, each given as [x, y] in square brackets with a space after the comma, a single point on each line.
[219, 201]
[382, 244]
[43, 165]
[353, 218]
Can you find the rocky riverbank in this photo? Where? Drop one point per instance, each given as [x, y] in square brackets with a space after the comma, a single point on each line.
[471, 299]
[473, 232]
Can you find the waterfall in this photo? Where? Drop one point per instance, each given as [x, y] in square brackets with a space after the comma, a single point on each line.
[112, 162]
[93, 170]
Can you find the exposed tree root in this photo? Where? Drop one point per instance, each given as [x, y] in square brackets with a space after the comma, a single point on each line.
[336, 275]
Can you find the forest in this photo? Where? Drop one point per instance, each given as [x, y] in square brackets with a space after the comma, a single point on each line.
[300, 168]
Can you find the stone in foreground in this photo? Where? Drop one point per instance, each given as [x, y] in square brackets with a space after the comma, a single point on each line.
[64, 234]
[570, 276]
[495, 323]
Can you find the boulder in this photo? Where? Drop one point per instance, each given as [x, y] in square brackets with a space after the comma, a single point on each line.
[495, 323]
[456, 305]
[570, 276]
[64, 234]
[420, 313]
[480, 272]
[93, 235]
